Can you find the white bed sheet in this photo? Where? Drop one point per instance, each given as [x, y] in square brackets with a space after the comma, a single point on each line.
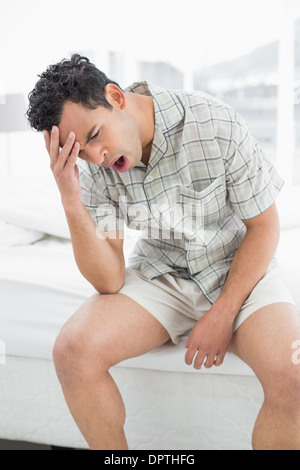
[41, 288]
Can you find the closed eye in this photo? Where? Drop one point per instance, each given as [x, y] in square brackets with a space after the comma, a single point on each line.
[94, 136]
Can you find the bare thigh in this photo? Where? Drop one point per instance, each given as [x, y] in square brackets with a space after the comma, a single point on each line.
[265, 342]
[111, 328]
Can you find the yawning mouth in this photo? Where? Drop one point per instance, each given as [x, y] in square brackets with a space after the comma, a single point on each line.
[121, 164]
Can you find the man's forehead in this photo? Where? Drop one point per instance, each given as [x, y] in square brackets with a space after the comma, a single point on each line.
[82, 141]
[77, 119]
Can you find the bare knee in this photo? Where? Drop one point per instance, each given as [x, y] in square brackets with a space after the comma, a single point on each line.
[278, 423]
[82, 350]
[283, 390]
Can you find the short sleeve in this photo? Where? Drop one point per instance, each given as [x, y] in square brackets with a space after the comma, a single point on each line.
[104, 211]
[252, 181]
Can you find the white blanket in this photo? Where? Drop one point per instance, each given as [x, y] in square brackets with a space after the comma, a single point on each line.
[11, 235]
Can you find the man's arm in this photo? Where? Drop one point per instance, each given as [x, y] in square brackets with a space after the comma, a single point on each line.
[212, 334]
[99, 255]
[99, 259]
[251, 260]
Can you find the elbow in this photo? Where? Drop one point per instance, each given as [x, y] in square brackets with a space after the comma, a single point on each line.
[109, 290]
[113, 287]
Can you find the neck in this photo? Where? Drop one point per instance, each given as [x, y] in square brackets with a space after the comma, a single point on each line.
[144, 109]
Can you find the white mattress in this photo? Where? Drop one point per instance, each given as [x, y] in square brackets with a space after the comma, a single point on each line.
[165, 410]
[41, 287]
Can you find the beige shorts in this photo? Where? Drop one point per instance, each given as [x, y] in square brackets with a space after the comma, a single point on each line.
[178, 303]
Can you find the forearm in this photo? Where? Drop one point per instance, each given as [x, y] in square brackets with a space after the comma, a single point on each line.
[96, 257]
[248, 266]
[99, 259]
[212, 334]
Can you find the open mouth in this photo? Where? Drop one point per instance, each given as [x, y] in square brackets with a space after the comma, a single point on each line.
[121, 164]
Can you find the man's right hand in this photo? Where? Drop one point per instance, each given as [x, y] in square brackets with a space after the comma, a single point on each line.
[63, 165]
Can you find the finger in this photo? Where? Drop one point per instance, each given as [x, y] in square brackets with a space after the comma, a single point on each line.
[54, 144]
[210, 360]
[71, 161]
[219, 359]
[189, 339]
[66, 151]
[47, 140]
[189, 355]
[199, 360]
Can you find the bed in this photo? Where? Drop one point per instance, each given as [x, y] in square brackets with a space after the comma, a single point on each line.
[169, 405]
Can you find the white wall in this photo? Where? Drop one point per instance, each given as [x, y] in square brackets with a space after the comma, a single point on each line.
[35, 33]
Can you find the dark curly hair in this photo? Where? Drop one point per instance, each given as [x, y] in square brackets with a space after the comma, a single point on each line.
[76, 80]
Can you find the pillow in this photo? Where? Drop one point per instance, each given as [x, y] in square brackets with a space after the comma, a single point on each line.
[33, 203]
[10, 235]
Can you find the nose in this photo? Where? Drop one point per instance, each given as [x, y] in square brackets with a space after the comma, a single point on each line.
[101, 157]
[96, 156]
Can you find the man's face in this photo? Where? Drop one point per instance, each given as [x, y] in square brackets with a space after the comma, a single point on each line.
[106, 137]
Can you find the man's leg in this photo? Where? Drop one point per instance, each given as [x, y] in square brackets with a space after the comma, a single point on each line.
[104, 331]
[265, 342]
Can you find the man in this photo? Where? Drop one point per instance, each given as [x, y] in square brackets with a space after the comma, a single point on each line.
[184, 168]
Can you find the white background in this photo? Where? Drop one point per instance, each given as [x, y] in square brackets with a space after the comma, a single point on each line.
[188, 34]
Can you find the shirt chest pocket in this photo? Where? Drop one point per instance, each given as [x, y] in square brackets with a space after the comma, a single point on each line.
[206, 206]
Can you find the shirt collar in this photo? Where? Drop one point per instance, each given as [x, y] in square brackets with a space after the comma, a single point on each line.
[168, 109]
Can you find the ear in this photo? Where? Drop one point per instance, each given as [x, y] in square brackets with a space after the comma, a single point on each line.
[115, 96]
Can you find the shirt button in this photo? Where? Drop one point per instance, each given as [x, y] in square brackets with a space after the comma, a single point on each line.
[193, 263]
[189, 234]
[149, 178]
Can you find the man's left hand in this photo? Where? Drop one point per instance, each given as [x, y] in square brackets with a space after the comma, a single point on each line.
[210, 339]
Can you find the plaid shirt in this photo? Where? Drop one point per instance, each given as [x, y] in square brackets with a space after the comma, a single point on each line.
[206, 174]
